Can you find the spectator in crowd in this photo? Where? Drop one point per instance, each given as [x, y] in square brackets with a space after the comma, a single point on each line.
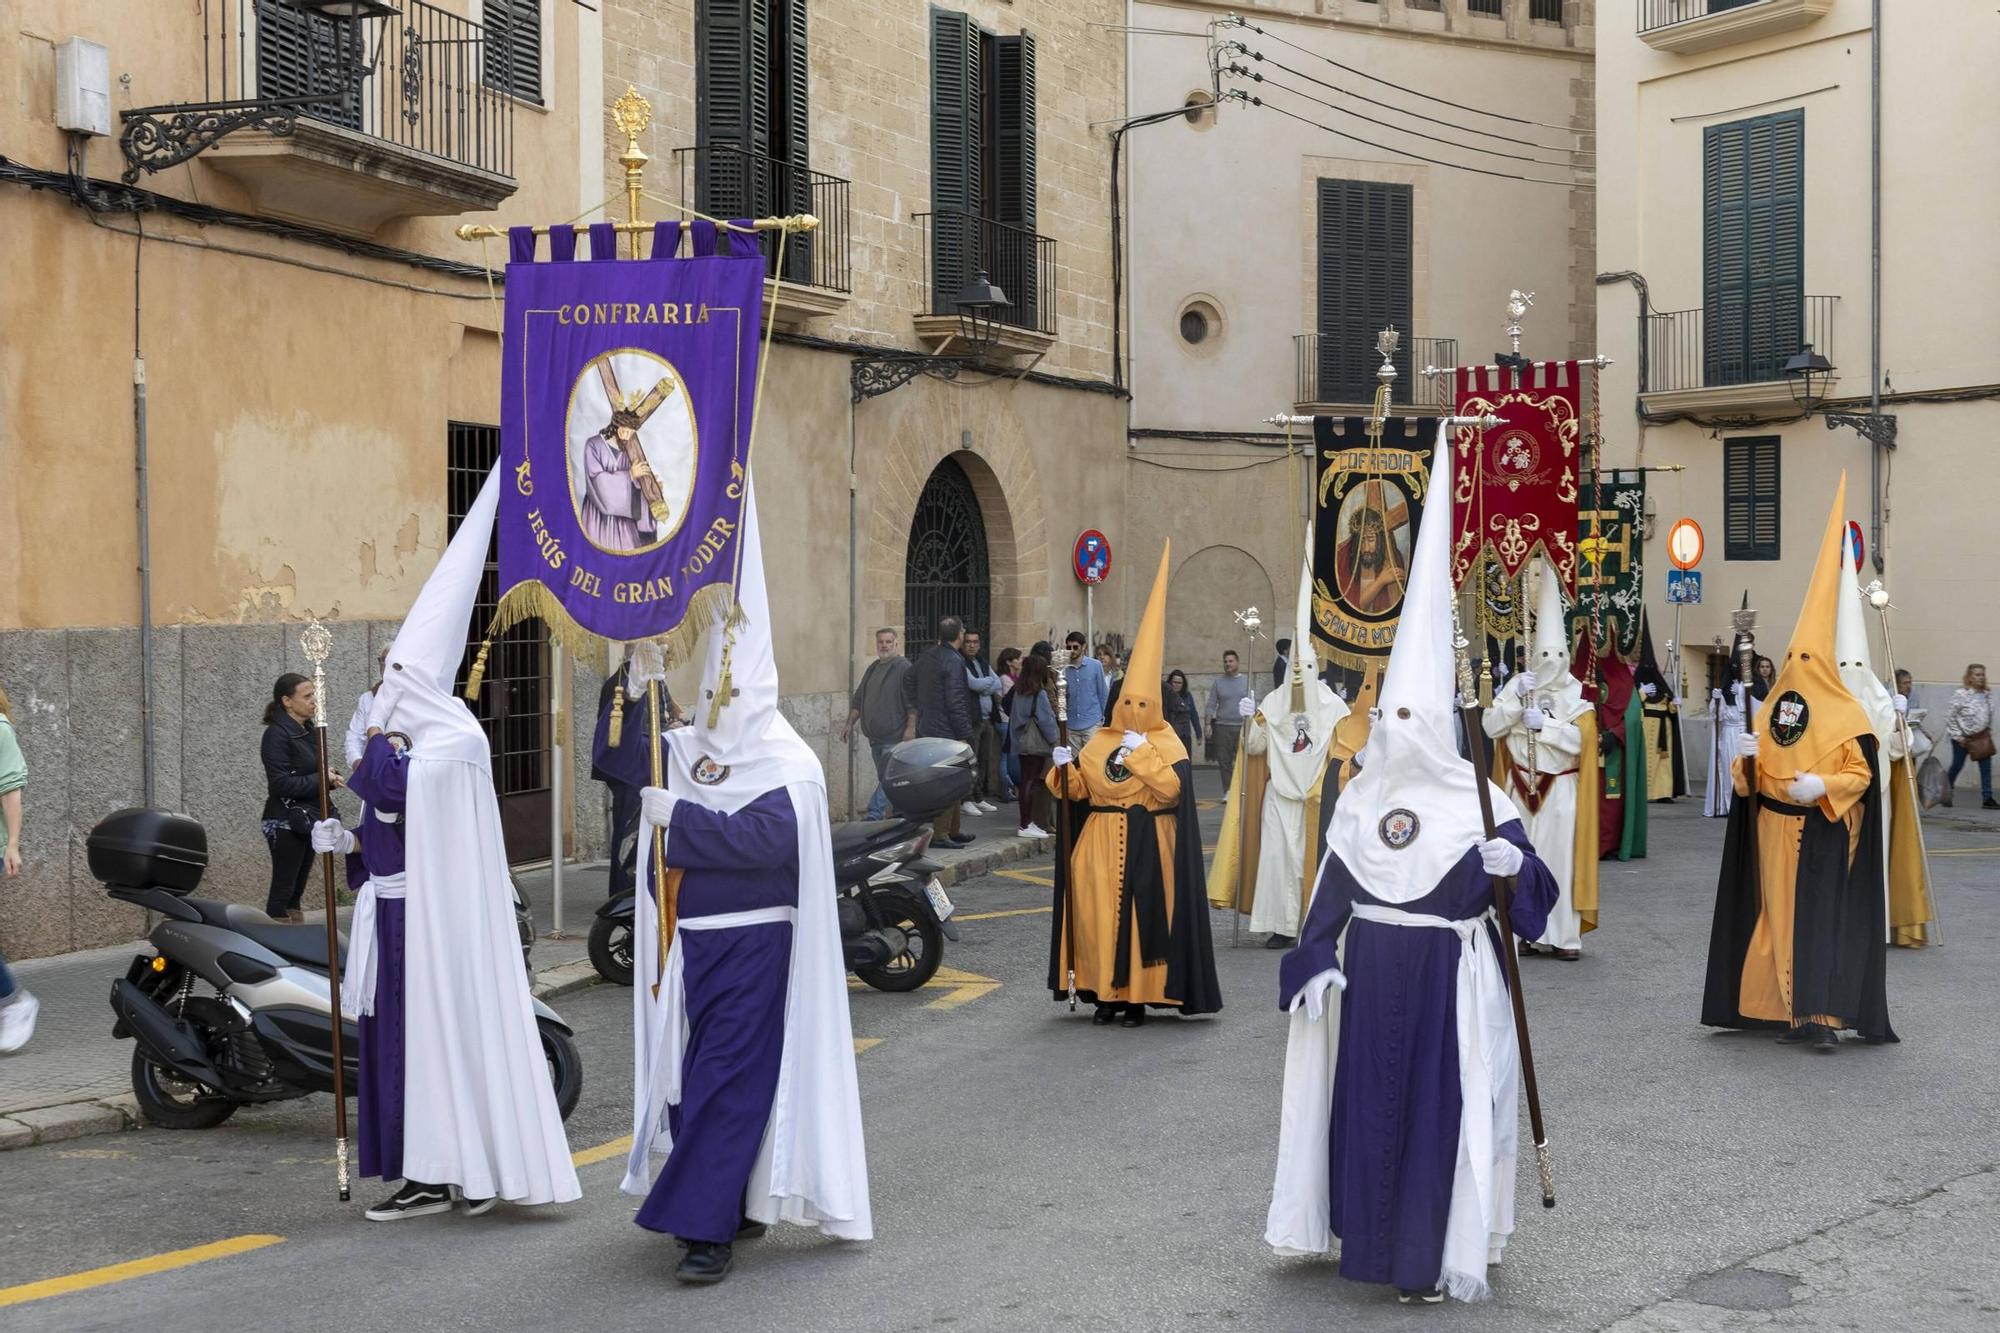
[291, 802]
[1282, 667]
[1224, 714]
[17, 1006]
[1921, 744]
[1114, 676]
[1007, 666]
[1089, 691]
[986, 689]
[937, 701]
[1763, 672]
[877, 704]
[357, 725]
[1032, 723]
[1181, 712]
[626, 767]
[1969, 724]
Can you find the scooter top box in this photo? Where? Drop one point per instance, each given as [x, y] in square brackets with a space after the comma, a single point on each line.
[928, 775]
[148, 849]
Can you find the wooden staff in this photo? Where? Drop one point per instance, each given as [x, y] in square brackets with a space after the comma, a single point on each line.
[1059, 662]
[1878, 597]
[1503, 892]
[317, 642]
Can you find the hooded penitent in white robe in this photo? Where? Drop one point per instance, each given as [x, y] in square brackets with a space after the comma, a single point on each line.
[1548, 799]
[810, 1168]
[478, 1110]
[1398, 1132]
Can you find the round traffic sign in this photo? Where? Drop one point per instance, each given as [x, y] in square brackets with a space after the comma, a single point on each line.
[1092, 560]
[1684, 543]
[1855, 542]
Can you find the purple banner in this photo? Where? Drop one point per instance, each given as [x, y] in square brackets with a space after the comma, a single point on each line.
[626, 395]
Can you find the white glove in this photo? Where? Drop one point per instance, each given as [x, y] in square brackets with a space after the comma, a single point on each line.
[1902, 703]
[1133, 740]
[657, 804]
[1500, 858]
[329, 835]
[1806, 788]
[1534, 718]
[1746, 745]
[1246, 708]
[1523, 685]
[1650, 690]
[1313, 994]
[1062, 756]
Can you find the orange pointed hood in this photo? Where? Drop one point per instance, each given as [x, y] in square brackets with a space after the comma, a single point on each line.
[1810, 711]
[1139, 697]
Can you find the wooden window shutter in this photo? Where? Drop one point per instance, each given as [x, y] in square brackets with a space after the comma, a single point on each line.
[956, 185]
[514, 47]
[1750, 498]
[1753, 239]
[1365, 276]
[298, 55]
[1013, 265]
[732, 107]
[793, 192]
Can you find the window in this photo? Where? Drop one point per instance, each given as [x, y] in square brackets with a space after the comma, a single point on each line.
[1545, 11]
[1753, 257]
[1750, 498]
[1364, 284]
[983, 163]
[1494, 7]
[299, 54]
[1194, 325]
[514, 47]
[752, 118]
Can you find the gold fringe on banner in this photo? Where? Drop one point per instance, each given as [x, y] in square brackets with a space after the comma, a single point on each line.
[534, 601]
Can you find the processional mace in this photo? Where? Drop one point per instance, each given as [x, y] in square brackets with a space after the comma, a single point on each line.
[1252, 624]
[317, 643]
[1065, 874]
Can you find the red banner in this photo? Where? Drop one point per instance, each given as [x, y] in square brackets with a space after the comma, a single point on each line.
[1515, 488]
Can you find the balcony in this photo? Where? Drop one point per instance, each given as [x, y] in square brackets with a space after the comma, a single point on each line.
[1699, 363]
[1336, 374]
[1685, 27]
[958, 247]
[725, 181]
[407, 126]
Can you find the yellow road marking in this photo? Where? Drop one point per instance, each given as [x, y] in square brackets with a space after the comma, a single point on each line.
[158, 1263]
[1026, 877]
[603, 1152]
[1967, 851]
[995, 916]
[866, 1044]
[965, 987]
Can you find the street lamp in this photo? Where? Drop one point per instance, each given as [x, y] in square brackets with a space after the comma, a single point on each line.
[979, 304]
[1812, 377]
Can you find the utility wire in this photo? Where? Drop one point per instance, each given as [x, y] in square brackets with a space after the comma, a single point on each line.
[1429, 97]
[1242, 72]
[1400, 152]
[1405, 111]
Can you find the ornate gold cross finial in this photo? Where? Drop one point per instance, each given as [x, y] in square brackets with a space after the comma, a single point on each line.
[631, 113]
[316, 642]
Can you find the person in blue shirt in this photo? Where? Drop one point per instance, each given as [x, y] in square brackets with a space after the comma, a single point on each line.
[1089, 691]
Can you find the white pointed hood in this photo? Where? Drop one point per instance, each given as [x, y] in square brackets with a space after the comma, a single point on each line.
[1302, 698]
[733, 753]
[1556, 685]
[416, 695]
[1851, 651]
[1411, 762]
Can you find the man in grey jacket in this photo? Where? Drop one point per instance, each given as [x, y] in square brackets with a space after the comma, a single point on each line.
[937, 701]
[877, 705]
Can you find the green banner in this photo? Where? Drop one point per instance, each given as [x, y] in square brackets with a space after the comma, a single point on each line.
[1610, 578]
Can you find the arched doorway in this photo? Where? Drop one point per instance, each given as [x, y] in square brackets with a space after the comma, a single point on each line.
[947, 572]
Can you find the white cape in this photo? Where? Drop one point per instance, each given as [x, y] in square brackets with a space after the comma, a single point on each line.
[812, 1169]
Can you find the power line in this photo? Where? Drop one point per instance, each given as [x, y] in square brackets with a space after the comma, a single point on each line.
[1400, 152]
[1405, 111]
[1241, 72]
[1429, 97]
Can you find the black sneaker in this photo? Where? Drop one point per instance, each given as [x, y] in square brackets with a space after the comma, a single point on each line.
[1277, 941]
[706, 1263]
[1989, 804]
[1435, 1296]
[415, 1199]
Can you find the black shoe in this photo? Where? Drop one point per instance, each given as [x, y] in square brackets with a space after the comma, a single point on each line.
[1106, 1014]
[1989, 804]
[751, 1229]
[1434, 1296]
[1276, 941]
[1134, 1016]
[958, 839]
[1825, 1041]
[1797, 1036]
[1527, 948]
[706, 1263]
[476, 1207]
[415, 1199]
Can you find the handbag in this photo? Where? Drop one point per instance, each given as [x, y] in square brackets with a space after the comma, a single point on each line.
[1979, 745]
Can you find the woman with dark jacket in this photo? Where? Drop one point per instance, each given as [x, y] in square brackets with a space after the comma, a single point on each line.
[1181, 712]
[291, 783]
[1032, 723]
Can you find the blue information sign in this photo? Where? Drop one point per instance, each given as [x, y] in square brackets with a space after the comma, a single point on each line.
[1684, 587]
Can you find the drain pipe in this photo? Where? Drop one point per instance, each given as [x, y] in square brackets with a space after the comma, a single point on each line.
[147, 759]
[853, 595]
[1875, 280]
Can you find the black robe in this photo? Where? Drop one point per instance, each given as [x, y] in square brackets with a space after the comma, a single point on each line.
[1839, 931]
[1190, 953]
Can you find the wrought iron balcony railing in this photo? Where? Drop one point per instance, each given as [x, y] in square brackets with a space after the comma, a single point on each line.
[1742, 343]
[1341, 369]
[415, 78]
[1657, 14]
[725, 181]
[958, 247]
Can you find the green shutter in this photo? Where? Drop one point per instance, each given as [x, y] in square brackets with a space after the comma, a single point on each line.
[1364, 252]
[1753, 247]
[793, 146]
[514, 47]
[1751, 498]
[732, 106]
[298, 55]
[1014, 264]
[956, 187]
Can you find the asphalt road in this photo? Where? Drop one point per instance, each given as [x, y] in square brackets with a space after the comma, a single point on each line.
[1031, 1171]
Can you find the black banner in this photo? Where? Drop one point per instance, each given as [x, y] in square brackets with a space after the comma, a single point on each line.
[1372, 483]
